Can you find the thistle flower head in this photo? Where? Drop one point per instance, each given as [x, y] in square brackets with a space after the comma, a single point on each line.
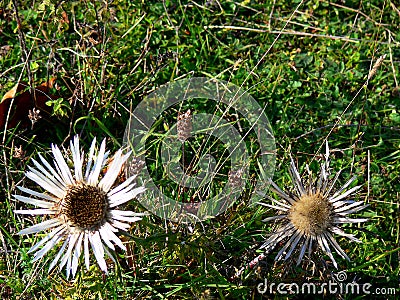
[312, 214]
[80, 208]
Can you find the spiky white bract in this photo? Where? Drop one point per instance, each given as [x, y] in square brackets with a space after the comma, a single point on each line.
[312, 213]
[80, 205]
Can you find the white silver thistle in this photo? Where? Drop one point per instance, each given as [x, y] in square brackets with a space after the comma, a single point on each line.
[312, 213]
[81, 208]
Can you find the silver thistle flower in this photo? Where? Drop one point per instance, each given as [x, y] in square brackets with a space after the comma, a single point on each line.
[312, 214]
[81, 208]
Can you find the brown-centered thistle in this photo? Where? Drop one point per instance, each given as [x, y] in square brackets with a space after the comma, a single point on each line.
[81, 208]
[311, 213]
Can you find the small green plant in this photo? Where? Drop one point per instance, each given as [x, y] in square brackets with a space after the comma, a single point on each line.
[61, 107]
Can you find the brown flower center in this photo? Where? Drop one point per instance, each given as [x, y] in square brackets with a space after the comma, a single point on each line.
[84, 206]
[311, 214]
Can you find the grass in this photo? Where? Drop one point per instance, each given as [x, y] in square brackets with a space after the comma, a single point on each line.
[307, 62]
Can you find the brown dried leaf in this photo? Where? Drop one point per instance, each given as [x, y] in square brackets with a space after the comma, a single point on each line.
[20, 101]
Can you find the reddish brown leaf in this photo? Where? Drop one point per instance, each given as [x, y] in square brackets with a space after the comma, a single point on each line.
[19, 101]
[64, 17]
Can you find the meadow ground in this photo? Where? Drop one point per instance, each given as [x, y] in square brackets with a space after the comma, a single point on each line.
[322, 70]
